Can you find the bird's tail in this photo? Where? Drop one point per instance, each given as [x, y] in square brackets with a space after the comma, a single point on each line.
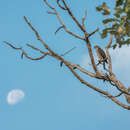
[104, 65]
[106, 60]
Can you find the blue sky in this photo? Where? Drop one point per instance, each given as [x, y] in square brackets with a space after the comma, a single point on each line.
[54, 98]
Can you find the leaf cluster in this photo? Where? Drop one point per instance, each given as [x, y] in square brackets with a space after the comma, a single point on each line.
[117, 23]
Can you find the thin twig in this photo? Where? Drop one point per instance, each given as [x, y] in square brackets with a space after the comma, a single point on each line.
[118, 95]
[37, 35]
[65, 28]
[28, 57]
[68, 51]
[48, 4]
[84, 18]
[93, 32]
[24, 53]
[113, 96]
[51, 12]
[74, 18]
[58, 2]
[59, 29]
[37, 49]
[16, 48]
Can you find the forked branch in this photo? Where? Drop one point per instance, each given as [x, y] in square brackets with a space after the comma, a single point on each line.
[110, 78]
[61, 22]
[25, 54]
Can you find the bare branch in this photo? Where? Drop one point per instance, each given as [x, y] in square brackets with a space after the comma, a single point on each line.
[65, 28]
[114, 82]
[84, 18]
[48, 4]
[37, 35]
[59, 29]
[37, 49]
[119, 85]
[24, 53]
[16, 48]
[58, 2]
[93, 32]
[91, 56]
[83, 81]
[109, 57]
[118, 95]
[113, 96]
[75, 20]
[68, 51]
[28, 57]
[96, 75]
[84, 70]
[82, 28]
[112, 77]
[51, 12]
[86, 35]
[97, 89]
[26, 20]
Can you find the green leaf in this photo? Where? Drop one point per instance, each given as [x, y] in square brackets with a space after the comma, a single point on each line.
[104, 8]
[119, 10]
[118, 24]
[106, 12]
[104, 34]
[108, 20]
[117, 15]
[115, 26]
[127, 41]
[119, 2]
[113, 32]
[114, 46]
[98, 8]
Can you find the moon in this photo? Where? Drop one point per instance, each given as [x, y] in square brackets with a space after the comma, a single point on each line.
[15, 96]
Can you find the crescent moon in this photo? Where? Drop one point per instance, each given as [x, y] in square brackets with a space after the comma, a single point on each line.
[15, 96]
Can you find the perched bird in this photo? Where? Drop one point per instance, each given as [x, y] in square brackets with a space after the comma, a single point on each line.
[102, 58]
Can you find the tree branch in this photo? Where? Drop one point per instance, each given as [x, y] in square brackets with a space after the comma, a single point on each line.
[92, 33]
[84, 18]
[97, 75]
[109, 57]
[59, 29]
[65, 28]
[24, 53]
[74, 18]
[97, 89]
[58, 3]
[68, 51]
[13, 47]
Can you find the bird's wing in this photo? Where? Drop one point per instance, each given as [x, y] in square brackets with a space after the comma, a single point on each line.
[102, 53]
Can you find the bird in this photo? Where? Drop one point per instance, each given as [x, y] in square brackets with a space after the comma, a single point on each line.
[102, 58]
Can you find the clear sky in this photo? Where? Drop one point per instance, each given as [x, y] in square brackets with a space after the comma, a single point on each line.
[54, 98]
